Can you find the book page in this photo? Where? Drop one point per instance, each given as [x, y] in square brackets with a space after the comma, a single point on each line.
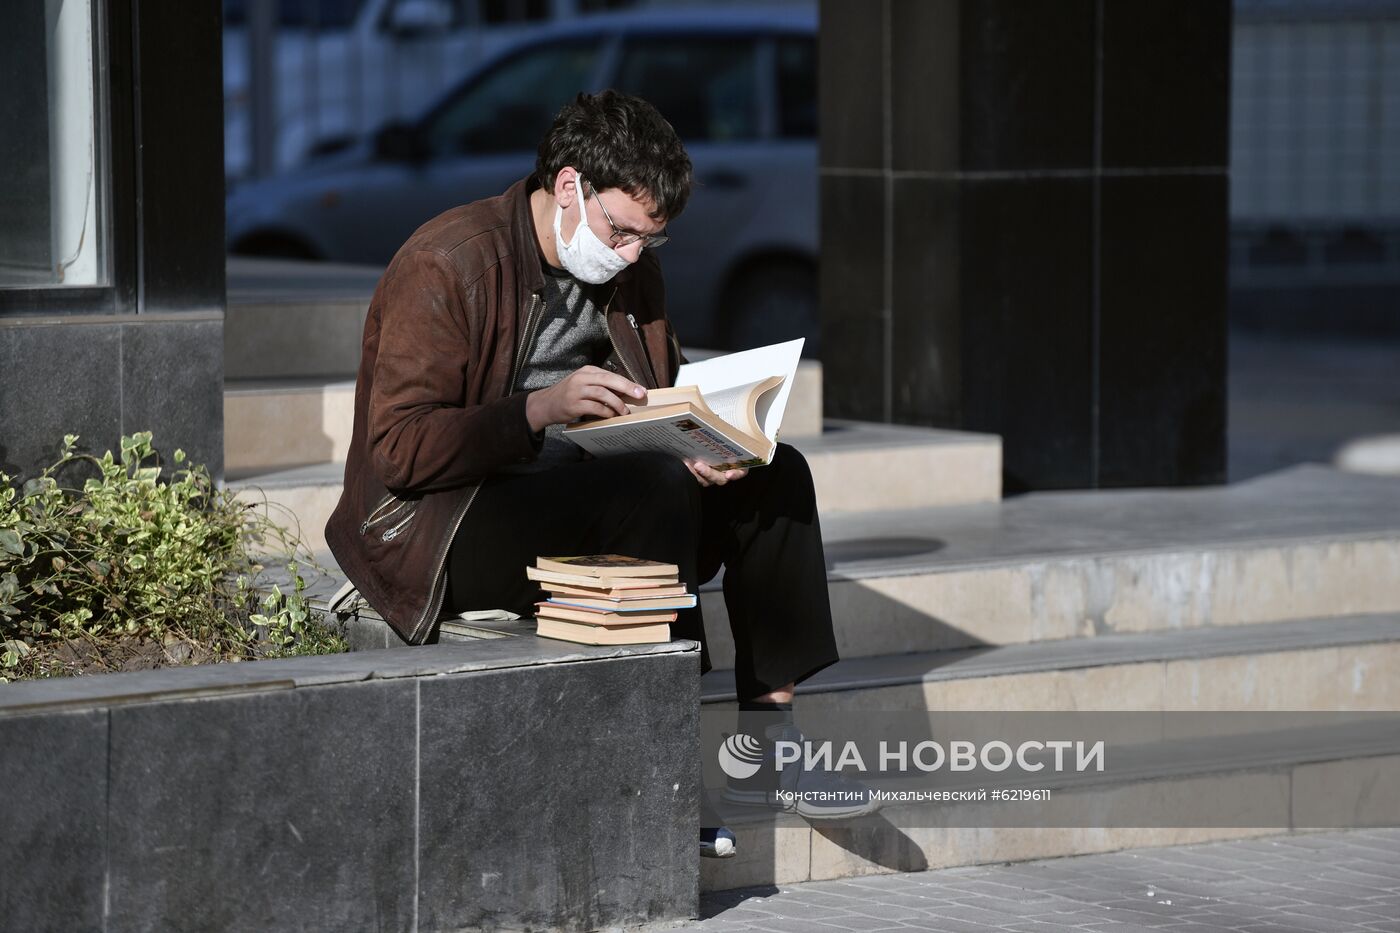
[744, 368]
[728, 403]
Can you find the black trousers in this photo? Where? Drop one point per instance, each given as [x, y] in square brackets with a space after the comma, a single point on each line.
[762, 529]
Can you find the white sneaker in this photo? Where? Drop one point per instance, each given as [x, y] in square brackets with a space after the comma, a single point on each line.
[717, 842]
[814, 794]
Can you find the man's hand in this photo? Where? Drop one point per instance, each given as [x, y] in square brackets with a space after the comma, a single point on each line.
[708, 476]
[588, 392]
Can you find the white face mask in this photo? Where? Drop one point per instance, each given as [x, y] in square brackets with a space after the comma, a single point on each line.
[587, 258]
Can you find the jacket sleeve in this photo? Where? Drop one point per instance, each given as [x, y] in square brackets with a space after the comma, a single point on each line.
[422, 437]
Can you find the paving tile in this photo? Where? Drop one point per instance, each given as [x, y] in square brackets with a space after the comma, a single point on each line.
[1324, 841]
[1370, 871]
[970, 914]
[797, 910]
[852, 922]
[1306, 924]
[1224, 919]
[943, 925]
[1145, 917]
[784, 925]
[1083, 893]
[1338, 893]
[1277, 876]
[832, 900]
[1340, 914]
[1272, 900]
[1006, 891]
[1012, 908]
[1320, 887]
[1378, 843]
[1069, 918]
[1268, 848]
[883, 910]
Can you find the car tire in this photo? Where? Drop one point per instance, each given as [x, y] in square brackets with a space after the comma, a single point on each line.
[770, 303]
[274, 246]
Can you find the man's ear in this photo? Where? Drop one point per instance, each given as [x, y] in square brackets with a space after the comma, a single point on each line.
[565, 185]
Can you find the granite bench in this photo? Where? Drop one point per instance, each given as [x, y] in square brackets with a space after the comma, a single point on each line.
[510, 782]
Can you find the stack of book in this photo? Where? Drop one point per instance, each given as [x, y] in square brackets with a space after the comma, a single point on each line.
[608, 599]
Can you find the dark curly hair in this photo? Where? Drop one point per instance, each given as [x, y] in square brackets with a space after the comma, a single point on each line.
[618, 141]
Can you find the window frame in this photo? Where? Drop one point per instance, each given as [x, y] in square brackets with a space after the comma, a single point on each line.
[116, 208]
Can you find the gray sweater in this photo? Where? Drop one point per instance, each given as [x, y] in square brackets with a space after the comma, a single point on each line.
[570, 333]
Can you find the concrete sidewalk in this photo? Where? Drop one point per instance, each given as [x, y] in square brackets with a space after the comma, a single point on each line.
[1335, 882]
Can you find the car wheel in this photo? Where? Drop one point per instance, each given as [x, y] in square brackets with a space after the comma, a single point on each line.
[274, 246]
[771, 303]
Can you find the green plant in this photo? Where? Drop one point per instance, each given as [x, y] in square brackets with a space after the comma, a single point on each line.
[134, 571]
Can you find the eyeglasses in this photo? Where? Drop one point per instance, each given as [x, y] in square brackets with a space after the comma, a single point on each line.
[627, 237]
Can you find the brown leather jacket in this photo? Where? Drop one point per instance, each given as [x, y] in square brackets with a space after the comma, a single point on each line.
[435, 406]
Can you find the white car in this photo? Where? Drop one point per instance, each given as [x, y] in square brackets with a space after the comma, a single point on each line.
[324, 54]
[740, 90]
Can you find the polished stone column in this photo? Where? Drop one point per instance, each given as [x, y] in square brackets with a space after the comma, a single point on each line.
[143, 349]
[1024, 222]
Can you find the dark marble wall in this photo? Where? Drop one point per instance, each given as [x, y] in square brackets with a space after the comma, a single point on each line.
[553, 788]
[101, 378]
[145, 351]
[1024, 221]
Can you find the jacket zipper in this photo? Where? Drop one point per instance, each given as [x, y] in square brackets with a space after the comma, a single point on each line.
[375, 518]
[434, 605]
[392, 533]
[646, 354]
[630, 374]
[520, 355]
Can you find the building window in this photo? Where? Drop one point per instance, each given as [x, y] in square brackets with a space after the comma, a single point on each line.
[52, 178]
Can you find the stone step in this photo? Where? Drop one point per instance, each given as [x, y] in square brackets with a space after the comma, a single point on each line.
[274, 425]
[300, 499]
[858, 467]
[291, 324]
[292, 339]
[279, 424]
[295, 320]
[1228, 787]
[845, 460]
[1309, 542]
[1340, 663]
[1305, 543]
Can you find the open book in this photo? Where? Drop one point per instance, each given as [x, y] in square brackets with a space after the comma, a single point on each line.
[725, 411]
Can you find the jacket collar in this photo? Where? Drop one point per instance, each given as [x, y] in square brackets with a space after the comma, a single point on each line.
[527, 245]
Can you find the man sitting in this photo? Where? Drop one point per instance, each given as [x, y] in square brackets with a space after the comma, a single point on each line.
[500, 321]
